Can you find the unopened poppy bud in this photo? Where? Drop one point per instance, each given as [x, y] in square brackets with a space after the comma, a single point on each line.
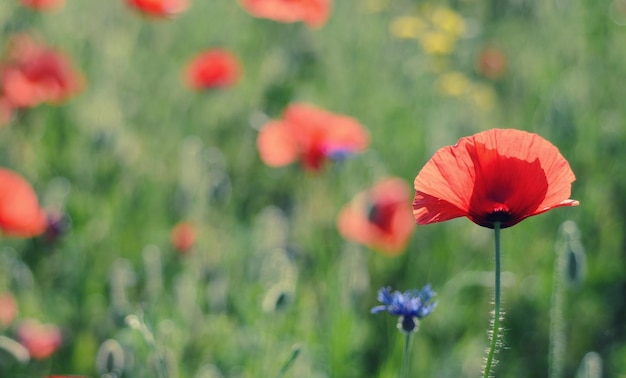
[110, 358]
[183, 237]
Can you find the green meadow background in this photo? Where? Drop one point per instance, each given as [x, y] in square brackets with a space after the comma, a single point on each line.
[136, 152]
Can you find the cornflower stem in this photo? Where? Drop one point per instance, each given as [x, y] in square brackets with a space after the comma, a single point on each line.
[496, 316]
[406, 359]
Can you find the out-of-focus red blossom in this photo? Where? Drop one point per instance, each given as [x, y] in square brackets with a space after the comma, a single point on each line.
[20, 214]
[314, 13]
[499, 175]
[43, 5]
[380, 218]
[183, 237]
[159, 8]
[8, 309]
[6, 111]
[33, 73]
[310, 135]
[216, 68]
[491, 63]
[41, 340]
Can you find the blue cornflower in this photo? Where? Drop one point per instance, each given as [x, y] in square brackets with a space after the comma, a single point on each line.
[337, 153]
[410, 306]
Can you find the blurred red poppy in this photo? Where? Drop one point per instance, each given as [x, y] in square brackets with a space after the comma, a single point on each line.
[8, 309]
[380, 218]
[311, 135]
[6, 111]
[312, 12]
[159, 8]
[41, 340]
[20, 214]
[33, 73]
[183, 237]
[500, 175]
[217, 68]
[43, 5]
[491, 63]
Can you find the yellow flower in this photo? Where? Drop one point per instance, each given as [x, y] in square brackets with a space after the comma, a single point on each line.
[436, 42]
[407, 27]
[483, 97]
[453, 84]
[374, 6]
[448, 21]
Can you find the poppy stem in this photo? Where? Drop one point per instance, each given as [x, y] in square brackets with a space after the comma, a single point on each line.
[404, 373]
[496, 315]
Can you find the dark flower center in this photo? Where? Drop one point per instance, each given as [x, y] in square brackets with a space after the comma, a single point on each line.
[506, 189]
[381, 215]
[499, 214]
[408, 324]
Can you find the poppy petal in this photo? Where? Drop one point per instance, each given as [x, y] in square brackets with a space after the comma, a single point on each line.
[311, 135]
[35, 73]
[313, 12]
[20, 214]
[442, 185]
[41, 340]
[541, 176]
[321, 134]
[430, 209]
[159, 8]
[43, 5]
[346, 134]
[276, 144]
[500, 175]
[216, 68]
[379, 218]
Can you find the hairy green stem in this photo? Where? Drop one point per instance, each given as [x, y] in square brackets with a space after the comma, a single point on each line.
[496, 316]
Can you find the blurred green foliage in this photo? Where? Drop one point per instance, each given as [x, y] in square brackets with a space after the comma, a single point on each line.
[137, 152]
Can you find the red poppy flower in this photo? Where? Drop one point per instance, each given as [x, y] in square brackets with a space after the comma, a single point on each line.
[6, 111]
[310, 135]
[8, 309]
[34, 74]
[491, 63]
[500, 175]
[217, 68]
[159, 8]
[41, 340]
[380, 218]
[43, 5]
[183, 237]
[312, 12]
[20, 214]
